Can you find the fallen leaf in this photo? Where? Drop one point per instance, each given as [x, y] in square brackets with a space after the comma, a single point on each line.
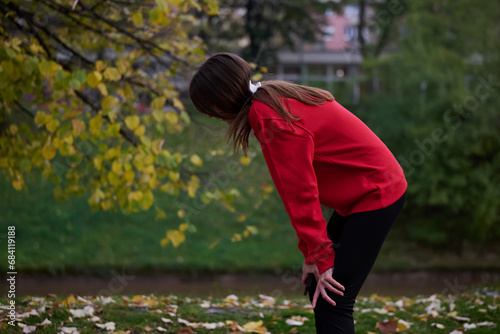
[437, 325]
[387, 326]
[187, 323]
[185, 331]
[109, 326]
[83, 300]
[80, 313]
[485, 323]
[26, 328]
[211, 325]
[292, 322]
[403, 325]
[27, 314]
[70, 300]
[106, 300]
[205, 304]
[255, 327]
[233, 299]
[45, 322]
[233, 325]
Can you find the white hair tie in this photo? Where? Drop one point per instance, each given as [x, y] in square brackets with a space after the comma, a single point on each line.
[253, 88]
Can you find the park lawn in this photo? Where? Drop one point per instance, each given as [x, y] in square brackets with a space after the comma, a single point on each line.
[474, 311]
[69, 238]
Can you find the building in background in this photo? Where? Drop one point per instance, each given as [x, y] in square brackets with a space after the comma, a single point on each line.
[333, 63]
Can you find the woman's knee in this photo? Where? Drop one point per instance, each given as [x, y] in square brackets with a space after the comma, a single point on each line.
[343, 304]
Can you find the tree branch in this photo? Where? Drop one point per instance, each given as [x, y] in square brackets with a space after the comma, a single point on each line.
[146, 44]
[30, 28]
[24, 109]
[28, 18]
[68, 13]
[126, 133]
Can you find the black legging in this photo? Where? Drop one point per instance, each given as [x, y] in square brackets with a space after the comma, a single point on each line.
[357, 239]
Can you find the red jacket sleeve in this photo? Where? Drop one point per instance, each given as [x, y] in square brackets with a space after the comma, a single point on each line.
[289, 157]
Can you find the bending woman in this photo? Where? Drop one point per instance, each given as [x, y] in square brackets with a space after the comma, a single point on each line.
[317, 153]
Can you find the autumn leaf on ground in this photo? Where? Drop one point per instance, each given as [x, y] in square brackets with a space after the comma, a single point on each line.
[255, 327]
[185, 331]
[387, 326]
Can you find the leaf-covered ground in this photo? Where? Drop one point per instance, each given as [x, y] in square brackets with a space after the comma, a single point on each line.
[475, 311]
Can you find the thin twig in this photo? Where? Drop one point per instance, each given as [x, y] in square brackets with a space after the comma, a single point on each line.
[30, 28]
[27, 18]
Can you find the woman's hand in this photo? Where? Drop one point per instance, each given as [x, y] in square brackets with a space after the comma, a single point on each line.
[324, 281]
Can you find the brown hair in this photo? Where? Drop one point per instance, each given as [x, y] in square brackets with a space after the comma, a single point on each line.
[220, 88]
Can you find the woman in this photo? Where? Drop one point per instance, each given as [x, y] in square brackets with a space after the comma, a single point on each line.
[317, 153]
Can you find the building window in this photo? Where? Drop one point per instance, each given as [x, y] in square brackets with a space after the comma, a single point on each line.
[328, 33]
[350, 33]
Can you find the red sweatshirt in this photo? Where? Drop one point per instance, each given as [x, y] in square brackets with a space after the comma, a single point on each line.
[330, 157]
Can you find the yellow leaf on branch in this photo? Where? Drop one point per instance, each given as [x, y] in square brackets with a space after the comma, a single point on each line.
[132, 122]
[236, 237]
[257, 77]
[112, 74]
[140, 130]
[173, 176]
[176, 237]
[49, 152]
[196, 160]
[18, 184]
[52, 125]
[171, 117]
[178, 104]
[95, 125]
[245, 160]
[93, 79]
[103, 89]
[40, 118]
[135, 196]
[100, 65]
[78, 126]
[109, 102]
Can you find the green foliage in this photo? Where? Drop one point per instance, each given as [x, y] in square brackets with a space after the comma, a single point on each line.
[260, 28]
[438, 111]
[68, 237]
[88, 97]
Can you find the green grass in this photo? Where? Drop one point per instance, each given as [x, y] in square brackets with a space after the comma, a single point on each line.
[68, 237]
[136, 313]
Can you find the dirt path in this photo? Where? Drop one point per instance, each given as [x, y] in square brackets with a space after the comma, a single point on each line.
[394, 284]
